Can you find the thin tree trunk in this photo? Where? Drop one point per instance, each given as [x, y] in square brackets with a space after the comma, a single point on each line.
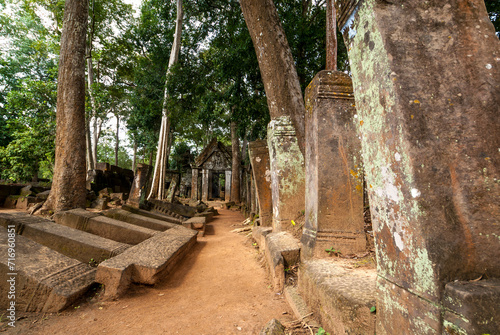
[134, 157]
[164, 143]
[117, 143]
[244, 148]
[331, 36]
[88, 141]
[96, 135]
[236, 164]
[68, 185]
[277, 68]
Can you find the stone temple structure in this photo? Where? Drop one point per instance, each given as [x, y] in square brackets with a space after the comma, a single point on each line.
[212, 173]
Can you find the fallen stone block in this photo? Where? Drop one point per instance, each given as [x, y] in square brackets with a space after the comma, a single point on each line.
[341, 298]
[158, 216]
[299, 306]
[11, 201]
[208, 215]
[98, 224]
[146, 262]
[259, 234]
[282, 250]
[74, 243]
[45, 280]
[196, 223]
[138, 220]
[168, 208]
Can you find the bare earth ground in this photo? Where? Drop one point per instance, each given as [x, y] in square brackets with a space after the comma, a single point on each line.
[219, 288]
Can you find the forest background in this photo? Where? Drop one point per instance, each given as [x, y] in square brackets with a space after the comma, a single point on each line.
[215, 82]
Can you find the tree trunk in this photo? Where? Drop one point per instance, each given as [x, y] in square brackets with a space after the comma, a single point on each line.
[88, 142]
[331, 36]
[96, 135]
[134, 157]
[284, 96]
[117, 142]
[164, 143]
[68, 186]
[236, 164]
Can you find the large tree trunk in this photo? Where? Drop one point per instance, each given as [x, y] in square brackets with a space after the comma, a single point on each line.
[236, 164]
[68, 186]
[284, 96]
[164, 143]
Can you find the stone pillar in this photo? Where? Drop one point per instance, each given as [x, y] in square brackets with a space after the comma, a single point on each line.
[334, 174]
[138, 191]
[227, 192]
[426, 77]
[194, 184]
[205, 183]
[259, 158]
[287, 172]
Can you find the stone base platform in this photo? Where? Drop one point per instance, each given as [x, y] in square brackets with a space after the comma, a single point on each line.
[74, 243]
[45, 280]
[340, 297]
[138, 220]
[146, 262]
[153, 215]
[98, 224]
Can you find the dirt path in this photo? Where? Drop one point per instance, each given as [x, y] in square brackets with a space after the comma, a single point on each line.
[219, 288]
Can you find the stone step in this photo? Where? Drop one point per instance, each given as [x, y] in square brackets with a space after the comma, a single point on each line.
[74, 243]
[158, 216]
[98, 224]
[146, 262]
[282, 250]
[341, 298]
[138, 220]
[45, 280]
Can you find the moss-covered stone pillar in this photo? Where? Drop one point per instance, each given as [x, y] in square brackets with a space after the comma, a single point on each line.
[334, 174]
[287, 172]
[426, 77]
[259, 158]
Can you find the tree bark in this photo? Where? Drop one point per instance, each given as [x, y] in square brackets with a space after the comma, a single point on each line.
[68, 186]
[164, 143]
[284, 96]
[331, 36]
[134, 157]
[236, 164]
[117, 138]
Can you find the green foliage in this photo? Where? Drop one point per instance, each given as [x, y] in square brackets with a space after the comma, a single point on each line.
[321, 331]
[106, 151]
[373, 309]
[493, 8]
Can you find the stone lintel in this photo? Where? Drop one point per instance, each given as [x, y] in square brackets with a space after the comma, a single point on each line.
[138, 220]
[45, 280]
[103, 226]
[68, 241]
[146, 262]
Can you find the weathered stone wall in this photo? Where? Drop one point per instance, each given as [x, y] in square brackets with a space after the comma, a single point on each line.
[259, 158]
[426, 77]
